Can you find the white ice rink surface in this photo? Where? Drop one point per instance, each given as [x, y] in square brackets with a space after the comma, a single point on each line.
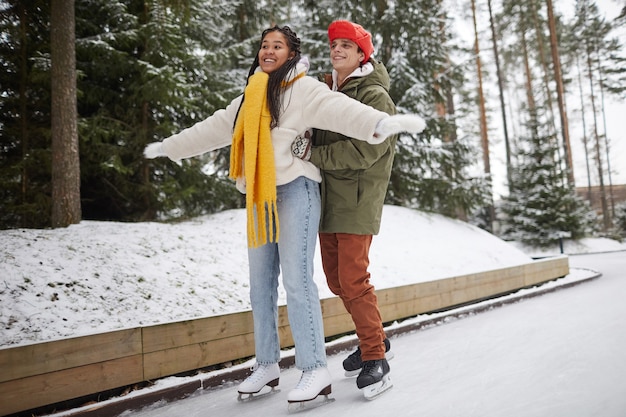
[562, 354]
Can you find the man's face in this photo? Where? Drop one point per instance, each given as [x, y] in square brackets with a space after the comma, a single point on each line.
[345, 55]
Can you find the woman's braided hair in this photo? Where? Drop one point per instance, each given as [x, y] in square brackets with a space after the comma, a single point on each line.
[275, 87]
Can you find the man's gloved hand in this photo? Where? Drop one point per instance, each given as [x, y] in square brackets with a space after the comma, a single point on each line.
[395, 124]
[153, 150]
[301, 146]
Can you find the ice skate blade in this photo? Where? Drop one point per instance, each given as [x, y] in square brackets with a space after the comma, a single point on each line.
[244, 397]
[371, 392]
[298, 406]
[349, 374]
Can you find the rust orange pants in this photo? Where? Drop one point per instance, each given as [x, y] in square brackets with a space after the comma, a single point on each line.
[345, 259]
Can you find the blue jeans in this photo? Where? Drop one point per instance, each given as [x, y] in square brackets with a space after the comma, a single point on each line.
[298, 208]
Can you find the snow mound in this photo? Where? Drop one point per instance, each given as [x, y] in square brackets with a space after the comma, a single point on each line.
[100, 276]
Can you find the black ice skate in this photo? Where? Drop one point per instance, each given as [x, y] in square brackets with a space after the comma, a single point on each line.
[374, 378]
[353, 363]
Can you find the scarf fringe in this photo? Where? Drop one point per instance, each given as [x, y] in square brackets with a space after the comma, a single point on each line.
[263, 224]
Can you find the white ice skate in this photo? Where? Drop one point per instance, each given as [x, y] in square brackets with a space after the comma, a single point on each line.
[262, 376]
[312, 384]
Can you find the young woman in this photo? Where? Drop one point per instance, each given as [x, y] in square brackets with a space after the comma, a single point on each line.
[279, 104]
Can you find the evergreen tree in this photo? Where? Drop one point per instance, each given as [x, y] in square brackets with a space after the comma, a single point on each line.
[590, 40]
[150, 68]
[620, 219]
[24, 114]
[542, 205]
[142, 80]
[431, 170]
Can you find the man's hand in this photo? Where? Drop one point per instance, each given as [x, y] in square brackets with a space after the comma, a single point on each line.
[301, 146]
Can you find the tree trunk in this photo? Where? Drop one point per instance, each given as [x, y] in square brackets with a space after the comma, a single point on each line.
[441, 106]
[66, 208]
[546, 78]
[606, 139]
[23, 98]
[501, 92]
[560, 92]
[484, 137]
[605, 211]
[386, 50]
[585, 138]
[532, 108]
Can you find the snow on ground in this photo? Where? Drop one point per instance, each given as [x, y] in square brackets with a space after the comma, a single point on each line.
[585, 245]
[99, 276]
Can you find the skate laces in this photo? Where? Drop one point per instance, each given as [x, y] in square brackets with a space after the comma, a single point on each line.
[305, 380]
[353, 361]
[355, 356]
[369, 367]
[258, 372]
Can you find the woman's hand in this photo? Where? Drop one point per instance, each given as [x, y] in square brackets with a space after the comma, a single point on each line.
[153, 150]
[395, 124]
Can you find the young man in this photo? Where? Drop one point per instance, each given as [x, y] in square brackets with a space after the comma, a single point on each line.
[355, 175]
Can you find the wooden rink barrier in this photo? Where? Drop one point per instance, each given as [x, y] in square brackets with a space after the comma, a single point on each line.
[42, 374]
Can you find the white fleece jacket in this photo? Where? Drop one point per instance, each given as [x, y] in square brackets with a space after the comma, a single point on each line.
[308, 103]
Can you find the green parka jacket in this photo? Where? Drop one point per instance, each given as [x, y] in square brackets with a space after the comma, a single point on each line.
[355, 174]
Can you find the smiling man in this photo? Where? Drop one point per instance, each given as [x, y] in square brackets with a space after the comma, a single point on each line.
[355, 176]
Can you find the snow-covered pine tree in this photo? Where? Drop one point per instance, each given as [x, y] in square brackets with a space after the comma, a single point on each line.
[431, 170]
[411, 38]
[591, 40]
[542, 206]
[620, 219]
[25, 114]
[144, 77]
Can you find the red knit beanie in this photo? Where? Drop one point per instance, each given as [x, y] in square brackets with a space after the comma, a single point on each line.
[347, 30]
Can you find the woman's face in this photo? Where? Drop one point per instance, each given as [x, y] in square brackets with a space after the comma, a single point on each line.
[274, 52]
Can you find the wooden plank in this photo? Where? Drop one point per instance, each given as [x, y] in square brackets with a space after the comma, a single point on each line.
[333, 306]
[185, 358]
[338, 324]
[411, 300]
[36, 391]
[448, 292]
[409, 308]
[40, 358]
[190, 332]
[461, 283]
[545, 270]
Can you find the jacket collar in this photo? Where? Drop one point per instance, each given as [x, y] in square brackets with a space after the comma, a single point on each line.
[362, 71]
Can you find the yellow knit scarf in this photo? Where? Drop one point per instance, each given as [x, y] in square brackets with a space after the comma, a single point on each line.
[252, 156]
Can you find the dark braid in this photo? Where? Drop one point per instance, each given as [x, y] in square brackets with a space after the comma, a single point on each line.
[274, 87]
